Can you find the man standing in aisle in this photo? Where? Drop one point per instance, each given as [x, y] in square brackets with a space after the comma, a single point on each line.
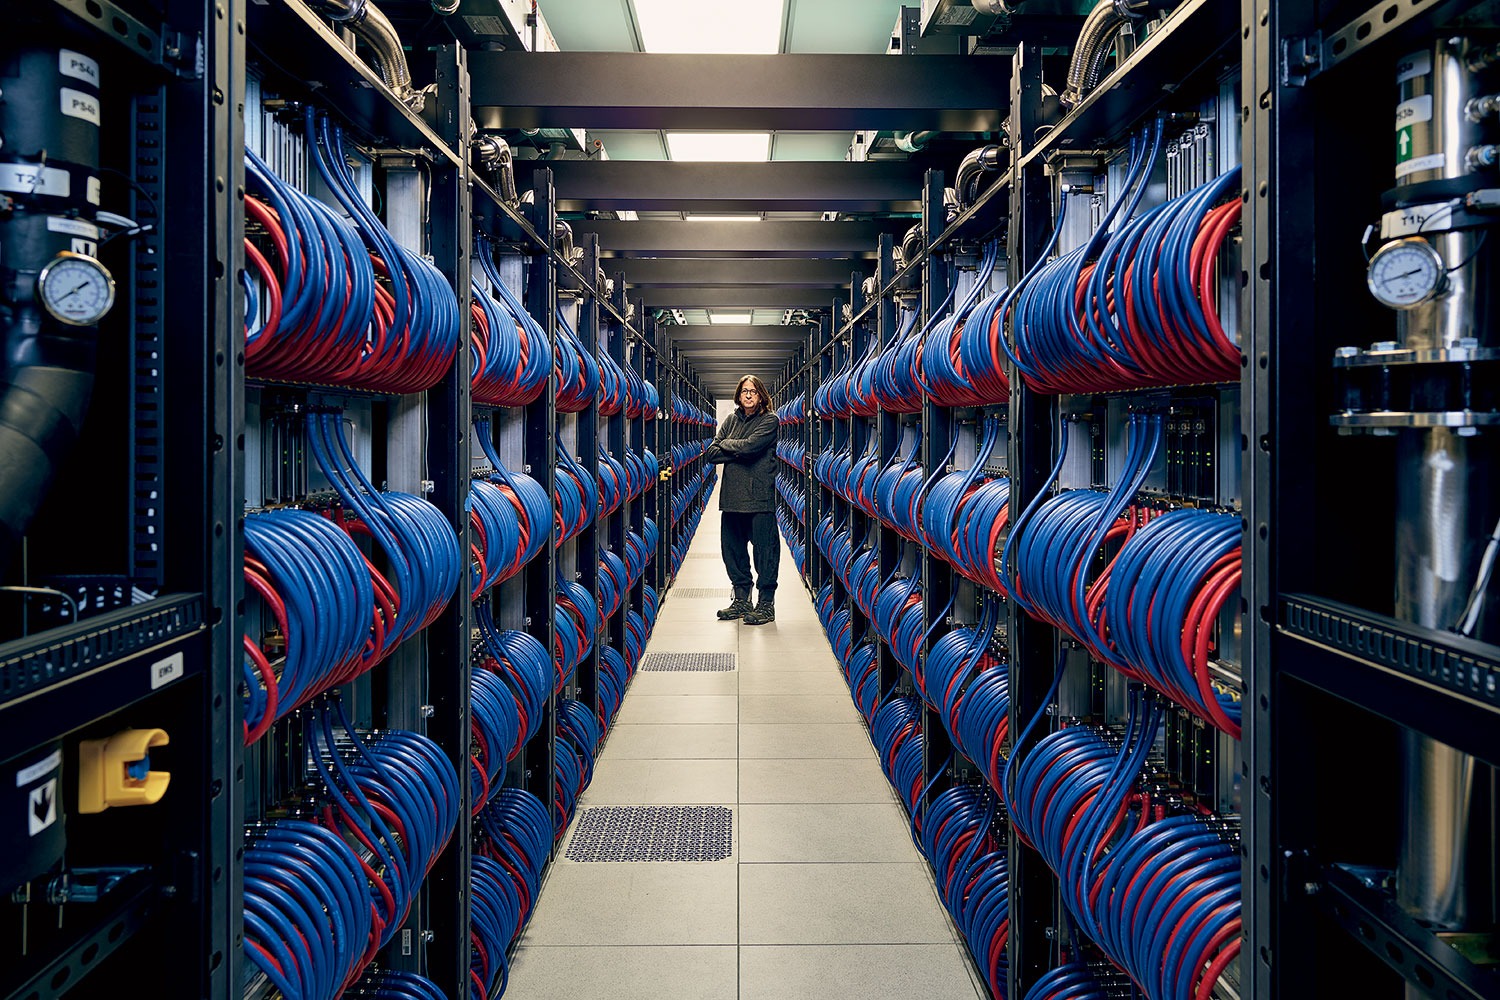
[746, 447]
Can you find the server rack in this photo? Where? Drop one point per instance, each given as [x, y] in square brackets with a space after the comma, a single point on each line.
[1347, 657]
[117, 629]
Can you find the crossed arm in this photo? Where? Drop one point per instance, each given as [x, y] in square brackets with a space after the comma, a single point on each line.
[745, 449]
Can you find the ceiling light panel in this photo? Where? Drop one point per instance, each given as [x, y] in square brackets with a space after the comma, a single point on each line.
[726, 319]
[723, 218]
[752, 26]
[719, 147]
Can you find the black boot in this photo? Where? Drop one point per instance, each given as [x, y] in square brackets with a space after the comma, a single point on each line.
[764, 613]
[738, 608]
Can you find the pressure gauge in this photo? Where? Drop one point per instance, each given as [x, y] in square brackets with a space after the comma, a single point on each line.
[1407, 272]
[76, 289]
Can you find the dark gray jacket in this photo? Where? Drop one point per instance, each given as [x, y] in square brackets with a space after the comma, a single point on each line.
[746, 447]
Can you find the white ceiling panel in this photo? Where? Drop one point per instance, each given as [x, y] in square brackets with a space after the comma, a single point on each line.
[853, 26]
[810, 145]
[809, 25]
[591, 25]
[644, 144]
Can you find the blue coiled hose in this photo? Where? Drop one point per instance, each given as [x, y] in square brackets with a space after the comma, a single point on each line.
[508, 859]
[422, 557]
[422, 337]
[575, 495]
[308, 916]
[519, 361]
[896, 731]
[525, 665]
[321, 579]
[530, 506]
[495, 723]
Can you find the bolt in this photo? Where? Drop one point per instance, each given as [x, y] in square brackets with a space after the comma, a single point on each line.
[1311, 888]
[428, 711]
[427, 937]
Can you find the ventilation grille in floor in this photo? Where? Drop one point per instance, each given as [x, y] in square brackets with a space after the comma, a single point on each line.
[694, 662]
[717, 593]
[652, 833]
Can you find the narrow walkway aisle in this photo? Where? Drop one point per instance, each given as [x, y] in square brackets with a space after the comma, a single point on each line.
[824, 895]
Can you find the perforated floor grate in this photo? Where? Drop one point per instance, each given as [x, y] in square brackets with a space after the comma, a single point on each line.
[717, 593]
[695, 662]
[653, 833]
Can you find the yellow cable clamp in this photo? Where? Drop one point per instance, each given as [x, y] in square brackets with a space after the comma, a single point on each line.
[117, 771]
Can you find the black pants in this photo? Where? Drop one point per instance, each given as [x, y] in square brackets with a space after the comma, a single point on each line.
[739, 532]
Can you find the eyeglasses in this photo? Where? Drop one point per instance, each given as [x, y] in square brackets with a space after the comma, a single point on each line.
[749, 392]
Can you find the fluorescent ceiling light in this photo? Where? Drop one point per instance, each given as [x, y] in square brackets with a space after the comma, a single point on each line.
[752, 26]
[738, 319]
[723, 218]
[720, 147]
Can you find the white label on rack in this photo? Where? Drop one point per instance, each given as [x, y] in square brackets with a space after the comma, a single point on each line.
[1415, 65]
[163, 671]
[1417, 109]
[46, 765]
[93, 191]
[1415, 219]
[77, 104]
[73, 227]
[1421, 163]
[27, 178]
[78, 66]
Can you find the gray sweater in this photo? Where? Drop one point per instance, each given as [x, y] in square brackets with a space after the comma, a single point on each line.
[746, 447]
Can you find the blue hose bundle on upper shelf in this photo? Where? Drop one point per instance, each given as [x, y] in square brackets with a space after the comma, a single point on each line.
[1137, 305]
[577, 370]
[793, 411]
[330, 320]
[614, 387]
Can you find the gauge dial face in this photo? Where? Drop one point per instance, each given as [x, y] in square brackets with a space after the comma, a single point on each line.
[1406, 273]
[76, 289]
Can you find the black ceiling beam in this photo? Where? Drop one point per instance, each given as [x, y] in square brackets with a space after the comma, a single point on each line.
[737, 296]
[696, 334]
[777, 186]
[810, 92]
[770, 238]
[667, 273]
